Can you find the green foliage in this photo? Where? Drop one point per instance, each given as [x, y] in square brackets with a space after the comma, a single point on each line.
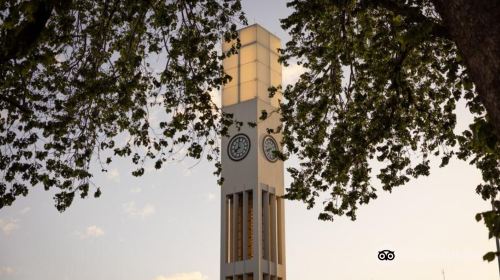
[490, 256]
[381, 83]
[76, 74]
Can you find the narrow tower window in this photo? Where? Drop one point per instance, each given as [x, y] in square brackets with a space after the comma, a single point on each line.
[250, 226]
[279, 216]
[239, 228]
[272, 222]
[229, 227]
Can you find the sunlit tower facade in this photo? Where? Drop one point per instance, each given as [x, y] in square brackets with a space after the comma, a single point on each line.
[252, 210]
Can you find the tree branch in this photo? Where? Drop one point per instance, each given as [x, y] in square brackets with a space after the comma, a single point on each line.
[15, 103]
[413, 14]
[17, 42]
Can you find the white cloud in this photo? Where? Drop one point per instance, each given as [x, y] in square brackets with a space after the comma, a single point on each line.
[292, 73]
[158, 100]
[136, 190]
[183, 276]
[25, 210]
[133, 211]
[61, 57]
[186, 172]
[92, 231]
[6, 270]
[186, 168]
[149, 167]
[215, 95]
[8, 226]
[153, 117]
[210, 196]
[114, 175]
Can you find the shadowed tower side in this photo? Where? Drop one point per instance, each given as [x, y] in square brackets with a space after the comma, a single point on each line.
[252, 210]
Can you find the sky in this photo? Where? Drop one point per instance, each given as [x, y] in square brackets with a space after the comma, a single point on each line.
[165, 225]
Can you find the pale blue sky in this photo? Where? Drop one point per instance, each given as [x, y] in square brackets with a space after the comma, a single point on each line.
[165, 225]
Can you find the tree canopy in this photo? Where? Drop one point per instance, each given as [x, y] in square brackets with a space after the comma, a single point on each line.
[75, 74]
[382, 80]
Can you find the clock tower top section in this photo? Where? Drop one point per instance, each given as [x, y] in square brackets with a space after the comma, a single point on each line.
[254, 69]
[248, 159]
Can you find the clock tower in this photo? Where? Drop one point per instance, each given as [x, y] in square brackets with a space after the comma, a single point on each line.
[252, 210]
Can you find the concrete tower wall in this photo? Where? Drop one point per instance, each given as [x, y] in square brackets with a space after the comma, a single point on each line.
[252, 212]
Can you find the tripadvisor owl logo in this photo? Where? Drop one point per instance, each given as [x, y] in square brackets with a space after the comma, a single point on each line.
[386, 255]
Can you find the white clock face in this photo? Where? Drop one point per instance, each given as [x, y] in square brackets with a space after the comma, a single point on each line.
[270, 145]
[238, 147]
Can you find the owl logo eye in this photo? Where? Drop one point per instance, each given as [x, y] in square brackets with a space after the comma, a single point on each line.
[386, 255]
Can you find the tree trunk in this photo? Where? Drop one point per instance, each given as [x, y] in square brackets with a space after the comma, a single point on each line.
[475, 28]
